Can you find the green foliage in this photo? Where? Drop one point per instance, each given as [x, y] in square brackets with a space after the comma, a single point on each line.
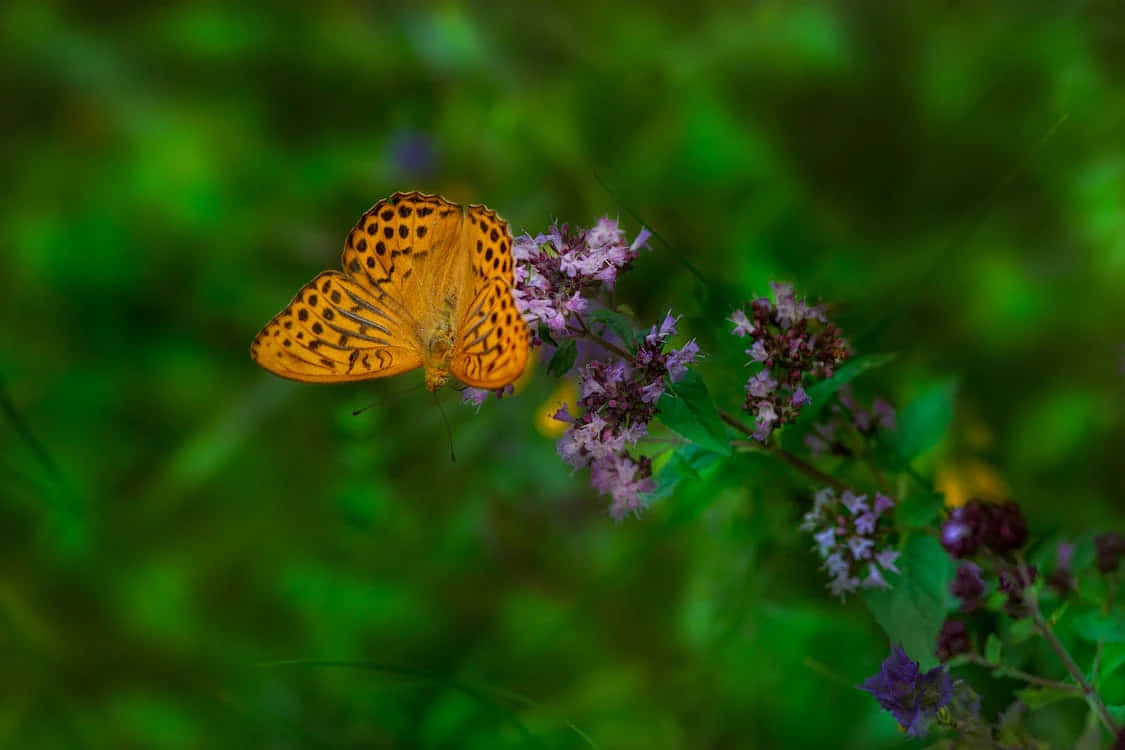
[687, 408]
[615, 322]
[912, 611]
[925, 420]
[563, 358]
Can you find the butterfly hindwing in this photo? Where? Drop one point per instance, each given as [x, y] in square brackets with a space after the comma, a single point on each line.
[334, 331]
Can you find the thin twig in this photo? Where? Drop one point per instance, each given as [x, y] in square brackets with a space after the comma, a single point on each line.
[605, 344]
[1019, 674]
[796, 462]
[1043, 627]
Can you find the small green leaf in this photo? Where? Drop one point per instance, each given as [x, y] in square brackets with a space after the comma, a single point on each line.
[686, 462]
[1037, 697]
[563, 358]
[919, 511]
[615, 322]
[925, 420]
[1113, 658]
[1059, 613]
[993, 648]
[912, 612]
[686, 407]
[1098, 626]
[545, 335]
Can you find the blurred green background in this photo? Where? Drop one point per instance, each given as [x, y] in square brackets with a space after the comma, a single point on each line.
[950, 175]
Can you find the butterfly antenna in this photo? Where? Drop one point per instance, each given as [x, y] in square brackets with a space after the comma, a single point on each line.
[392, 397]
[448, 430]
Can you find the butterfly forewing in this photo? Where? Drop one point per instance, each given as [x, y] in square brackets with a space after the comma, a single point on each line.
[333, 331]
[403, 251]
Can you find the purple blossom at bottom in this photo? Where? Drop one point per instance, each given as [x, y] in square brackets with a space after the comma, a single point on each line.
[912, 697]
[850, 541]
[618, 401]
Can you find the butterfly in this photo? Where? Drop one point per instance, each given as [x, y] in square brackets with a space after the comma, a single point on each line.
[426, 283]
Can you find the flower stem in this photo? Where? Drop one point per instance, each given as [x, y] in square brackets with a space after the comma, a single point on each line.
[1043, 627]
[605, 344]
[795, 461]
[1019, 674]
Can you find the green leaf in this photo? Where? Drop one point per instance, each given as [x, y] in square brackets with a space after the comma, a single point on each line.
[913, 611]
[686, 407]
[821, 393]
[1113, 658]
[1037, 697]
[1059, 613]
[925, 420]
[563, 358]
[918, 511]
[686, 462]
[545, 335]
[617, 323]
[1098, 626]
[993, 649]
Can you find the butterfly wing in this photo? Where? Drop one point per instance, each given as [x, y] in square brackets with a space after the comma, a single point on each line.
[402, 251]
[335, 331]
[491, 348]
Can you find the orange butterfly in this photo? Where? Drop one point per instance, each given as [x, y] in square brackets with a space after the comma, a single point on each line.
[426, 283]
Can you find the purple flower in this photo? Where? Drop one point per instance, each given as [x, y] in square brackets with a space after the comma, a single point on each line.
[757, 352]
[742, 325]
[882, 503]
[885, 413]
[761, 385]
[678, 360]
[911, 697]
[799, 399]
[887, 558]
[855, 504]
[474, 396]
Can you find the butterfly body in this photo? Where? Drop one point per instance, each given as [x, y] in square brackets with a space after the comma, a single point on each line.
[426, 283]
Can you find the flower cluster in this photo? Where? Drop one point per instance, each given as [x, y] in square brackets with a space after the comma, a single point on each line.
[850, 540]
[618, 401]
[912, 697]
[558, 271]
[792, 343]
[1000, 528]
[848, 412]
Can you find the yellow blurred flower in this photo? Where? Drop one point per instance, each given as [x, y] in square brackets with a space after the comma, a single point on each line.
[566, 393]
[970, 479]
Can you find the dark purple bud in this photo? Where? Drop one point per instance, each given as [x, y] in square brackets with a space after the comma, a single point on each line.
[968, 586]
[1110, 549]
[952, 640]
[1006, 528]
